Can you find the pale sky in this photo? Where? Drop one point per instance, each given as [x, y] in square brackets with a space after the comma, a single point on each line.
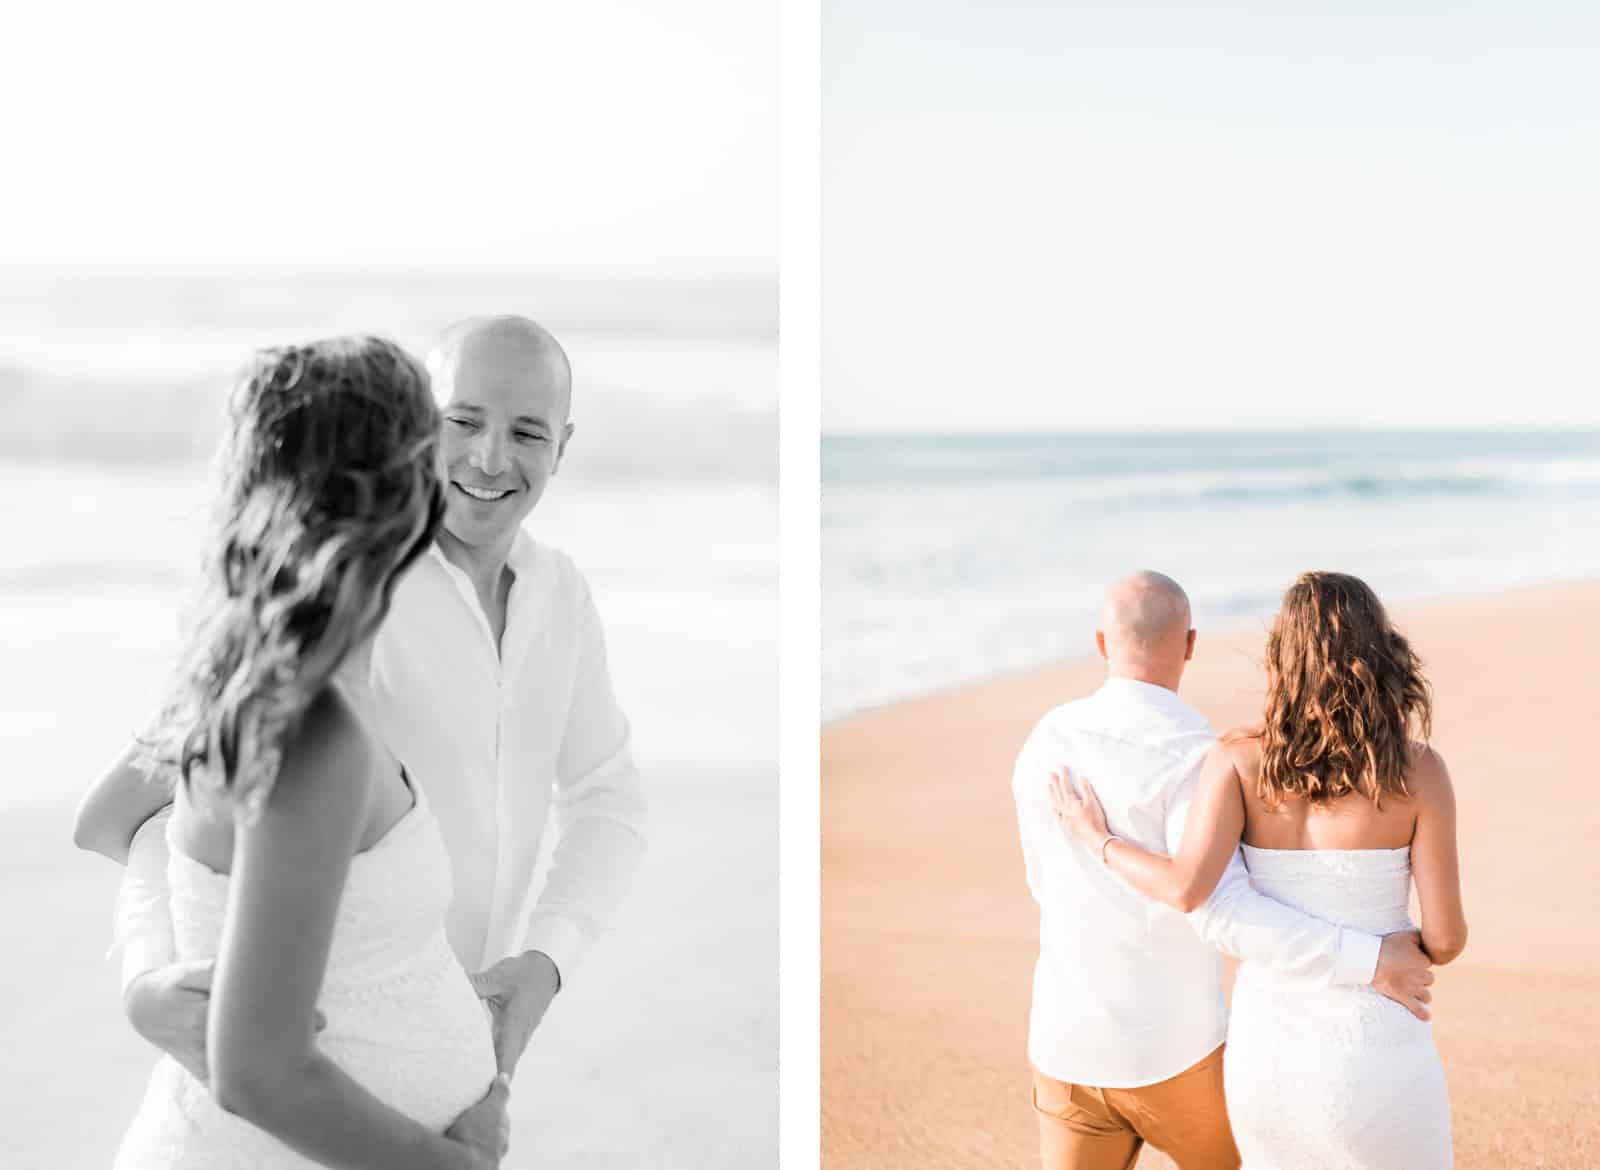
[599, 136]
[1273, 214]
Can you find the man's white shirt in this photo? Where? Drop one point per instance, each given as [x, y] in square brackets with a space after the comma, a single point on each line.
[501, 745]
[1128, 991]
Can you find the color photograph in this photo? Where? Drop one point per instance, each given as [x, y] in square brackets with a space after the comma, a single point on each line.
[1210, 463]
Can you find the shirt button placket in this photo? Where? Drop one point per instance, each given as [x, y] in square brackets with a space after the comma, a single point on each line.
[506, 898]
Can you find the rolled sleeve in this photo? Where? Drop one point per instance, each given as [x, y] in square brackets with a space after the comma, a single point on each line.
[599, 812]
[1358, 957]
[142, 917]
[560, 939]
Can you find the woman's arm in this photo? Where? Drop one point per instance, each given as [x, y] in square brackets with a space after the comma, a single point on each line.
[1434, 864]
[1210, 837]
[288, 877]
[111, 812]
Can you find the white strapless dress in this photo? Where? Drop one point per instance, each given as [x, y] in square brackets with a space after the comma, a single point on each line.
[1333, 1078]
[402, 1017]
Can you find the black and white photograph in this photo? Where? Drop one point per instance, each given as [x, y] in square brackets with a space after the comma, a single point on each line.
[389, 601]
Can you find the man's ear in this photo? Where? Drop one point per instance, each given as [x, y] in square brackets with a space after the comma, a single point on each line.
[1188, 653]
[1100, 644]
[561, 448]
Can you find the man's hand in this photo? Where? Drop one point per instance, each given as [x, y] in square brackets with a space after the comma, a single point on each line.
[1404, 972]
[485, 1128]
[518, 990]
[169, 1006]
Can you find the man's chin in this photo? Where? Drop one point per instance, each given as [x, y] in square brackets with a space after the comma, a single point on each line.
[475, 533]
[479, 526]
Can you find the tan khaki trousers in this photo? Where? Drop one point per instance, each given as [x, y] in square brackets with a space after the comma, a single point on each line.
[1084, 1128]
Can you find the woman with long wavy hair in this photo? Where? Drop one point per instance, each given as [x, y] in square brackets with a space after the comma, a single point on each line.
[304, 862]
[1339, 804]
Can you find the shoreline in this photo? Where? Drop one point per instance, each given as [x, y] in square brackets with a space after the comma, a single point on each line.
[1230, 630]
[929, 936]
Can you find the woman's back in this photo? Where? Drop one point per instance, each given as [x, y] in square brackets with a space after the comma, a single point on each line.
[1420, 819]
[1351, 821]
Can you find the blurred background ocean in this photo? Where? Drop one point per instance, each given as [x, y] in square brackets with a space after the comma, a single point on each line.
[948, 558]
[112, 390]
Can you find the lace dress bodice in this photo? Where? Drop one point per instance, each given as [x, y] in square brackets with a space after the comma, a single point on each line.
[1368, 889]
[402, 1017]
[1333, 1077]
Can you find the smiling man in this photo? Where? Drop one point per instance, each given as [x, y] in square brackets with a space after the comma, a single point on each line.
[505, 387]
[489, 681]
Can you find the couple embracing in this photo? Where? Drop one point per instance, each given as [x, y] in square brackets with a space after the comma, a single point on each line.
[1150, 844]
[386, 690]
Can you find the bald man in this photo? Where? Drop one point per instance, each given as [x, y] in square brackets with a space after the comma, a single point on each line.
[1127, 1025]
[489, 681]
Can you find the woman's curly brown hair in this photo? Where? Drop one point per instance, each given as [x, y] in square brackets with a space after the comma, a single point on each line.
[327, 488]
[1345, 696]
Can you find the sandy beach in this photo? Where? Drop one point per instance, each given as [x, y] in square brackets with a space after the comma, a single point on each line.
[929, 935]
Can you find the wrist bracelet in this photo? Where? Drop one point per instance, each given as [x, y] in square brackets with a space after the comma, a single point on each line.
[1110, 837]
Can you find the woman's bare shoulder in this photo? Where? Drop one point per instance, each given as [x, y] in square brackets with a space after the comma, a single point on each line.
[1428, 767]
[1427, 777]
[1243, 748]
[328, 755]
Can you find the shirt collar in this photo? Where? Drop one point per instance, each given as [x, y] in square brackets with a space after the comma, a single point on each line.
[521, 557]
[1125, 690]
[523, 553]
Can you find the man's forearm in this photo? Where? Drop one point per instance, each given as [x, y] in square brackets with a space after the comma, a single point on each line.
[599, 810]
[592, 868]
[1245, 923]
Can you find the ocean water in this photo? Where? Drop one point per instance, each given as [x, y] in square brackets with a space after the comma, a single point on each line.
[667, 498]
[671, 379]
[945, 559]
